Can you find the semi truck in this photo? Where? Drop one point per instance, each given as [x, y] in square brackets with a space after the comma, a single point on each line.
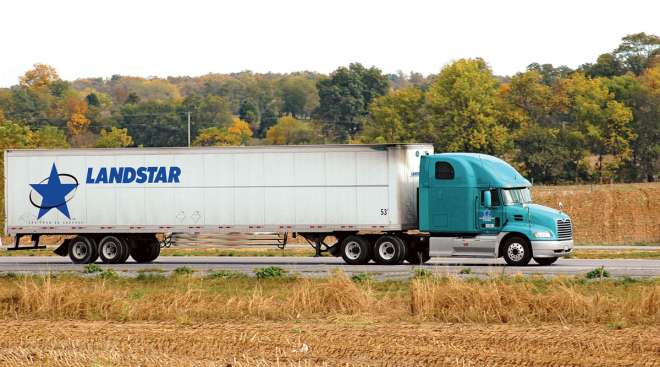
[386, 203]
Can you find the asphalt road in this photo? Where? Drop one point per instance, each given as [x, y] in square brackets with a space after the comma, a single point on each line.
[309, 266]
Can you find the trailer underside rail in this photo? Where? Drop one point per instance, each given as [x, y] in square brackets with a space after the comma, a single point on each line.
[232, 239]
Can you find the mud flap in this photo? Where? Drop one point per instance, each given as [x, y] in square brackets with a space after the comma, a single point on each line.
[63, 249]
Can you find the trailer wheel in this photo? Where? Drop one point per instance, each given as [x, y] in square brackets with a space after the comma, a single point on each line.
[112, 249]
[517, 251]
[389, 250]
[83, 250]
[355, 250]
[545, 260]
[128, 244]
[145, 250]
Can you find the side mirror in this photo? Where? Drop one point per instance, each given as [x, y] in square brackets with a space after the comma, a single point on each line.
[487, 199]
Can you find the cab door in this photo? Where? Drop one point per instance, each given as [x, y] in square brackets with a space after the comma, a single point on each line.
[490, 217]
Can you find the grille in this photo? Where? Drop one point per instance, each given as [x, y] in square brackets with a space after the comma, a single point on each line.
[564, 229]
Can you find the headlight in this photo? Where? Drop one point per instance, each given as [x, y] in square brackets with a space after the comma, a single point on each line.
[542, 234]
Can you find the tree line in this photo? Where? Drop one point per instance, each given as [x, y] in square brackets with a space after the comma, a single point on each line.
[597, 123]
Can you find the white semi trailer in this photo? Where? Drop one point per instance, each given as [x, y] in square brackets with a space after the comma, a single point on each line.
[388, 203]
[118, 200]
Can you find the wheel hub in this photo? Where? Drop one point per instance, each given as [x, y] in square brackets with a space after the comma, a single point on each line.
[79, 250]
[516, 251]
[110, 250]
[387, 250]
[353, 250]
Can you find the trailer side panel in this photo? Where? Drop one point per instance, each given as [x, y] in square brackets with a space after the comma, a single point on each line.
[294, 189]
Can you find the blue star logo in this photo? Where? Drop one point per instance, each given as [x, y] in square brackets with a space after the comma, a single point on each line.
[53, 193]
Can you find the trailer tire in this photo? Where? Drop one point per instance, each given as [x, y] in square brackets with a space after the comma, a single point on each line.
[145, 250]
[83, 250]
[517, 251]
[545, 261]
[112, 249]
[127, 248]
[355, 250]
[389, 250]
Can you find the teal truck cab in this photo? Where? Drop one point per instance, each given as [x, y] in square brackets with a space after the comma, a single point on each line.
[477, 205]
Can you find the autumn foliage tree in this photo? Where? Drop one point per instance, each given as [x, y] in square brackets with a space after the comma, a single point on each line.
[397, 117]
[462, 108]
[114, 138]
[39, 77]
[289, 131]
[603, 121]
[78, 122]
[238, 133]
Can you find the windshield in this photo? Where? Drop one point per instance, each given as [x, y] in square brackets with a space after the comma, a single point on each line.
[516, 196]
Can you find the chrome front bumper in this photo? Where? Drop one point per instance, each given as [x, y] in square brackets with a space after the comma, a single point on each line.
[552, 248]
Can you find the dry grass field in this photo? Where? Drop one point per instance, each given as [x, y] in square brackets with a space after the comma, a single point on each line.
[616, 254]
[608, 214]
[230, 296]
[232, 320]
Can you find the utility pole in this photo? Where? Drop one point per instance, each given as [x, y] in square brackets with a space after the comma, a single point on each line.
[188, 129]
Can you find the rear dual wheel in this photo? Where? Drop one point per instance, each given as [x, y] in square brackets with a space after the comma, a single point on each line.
[83, 250]
[355, 250]
[389, 250]
[145, 250]
[114, 250]
[385, 250]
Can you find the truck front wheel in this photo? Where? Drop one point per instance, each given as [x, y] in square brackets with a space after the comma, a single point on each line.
[82, 250]
[517, 251]
[355, 250]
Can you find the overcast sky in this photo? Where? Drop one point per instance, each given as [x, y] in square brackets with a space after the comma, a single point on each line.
[160, 38]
